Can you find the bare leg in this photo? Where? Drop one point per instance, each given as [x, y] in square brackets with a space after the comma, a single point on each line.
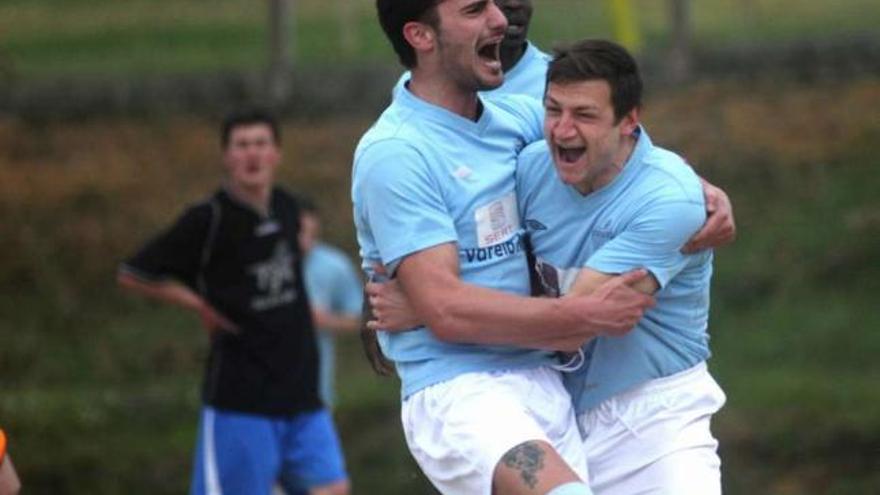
[531, 468]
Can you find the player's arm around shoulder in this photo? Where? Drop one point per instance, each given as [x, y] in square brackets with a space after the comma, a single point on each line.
[720, 227]
[463, 313]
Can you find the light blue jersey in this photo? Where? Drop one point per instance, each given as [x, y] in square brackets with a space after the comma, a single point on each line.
[527, 77]
[641, 219]
[424, 176]
[333, 286]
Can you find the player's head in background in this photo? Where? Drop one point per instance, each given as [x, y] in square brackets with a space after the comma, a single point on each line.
[592, 103]
[519, 17]
[456, 40]
[251, 143]
[309, 224]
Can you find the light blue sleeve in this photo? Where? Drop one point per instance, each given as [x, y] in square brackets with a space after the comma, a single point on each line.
[528, 169]
[529, 113]
[403, 201]
[348, 292]
[652, 240]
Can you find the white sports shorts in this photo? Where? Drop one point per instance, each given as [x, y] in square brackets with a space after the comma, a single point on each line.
[459, 430]
[655, 439]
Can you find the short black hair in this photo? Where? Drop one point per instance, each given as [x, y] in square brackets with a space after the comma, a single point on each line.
[593, 59]
[394, 14]
[248, 116]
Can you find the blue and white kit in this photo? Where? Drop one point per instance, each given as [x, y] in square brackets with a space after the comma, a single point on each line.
[334, 286]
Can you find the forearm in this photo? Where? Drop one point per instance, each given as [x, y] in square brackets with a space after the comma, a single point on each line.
[589, 281]
[337, 323]
[472, 314]
[459, 312]
[166, 291]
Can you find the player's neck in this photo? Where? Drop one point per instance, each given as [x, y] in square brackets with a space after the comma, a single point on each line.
[256, 197]
[445, 93]
[511, 55]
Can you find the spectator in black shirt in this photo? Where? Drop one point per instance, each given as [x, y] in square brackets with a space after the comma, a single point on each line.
[234, 259]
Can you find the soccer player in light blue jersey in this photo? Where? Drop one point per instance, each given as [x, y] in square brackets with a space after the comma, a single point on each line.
[335, 295]
[523, 63]
[603, 201]
[435, 206]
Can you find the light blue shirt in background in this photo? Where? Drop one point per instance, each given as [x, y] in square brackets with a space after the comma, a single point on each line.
[424, 176]
[333, 285]
[527, 77]
[641, 219]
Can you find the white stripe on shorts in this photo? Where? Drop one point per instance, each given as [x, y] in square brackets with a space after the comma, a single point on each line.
[212, 480]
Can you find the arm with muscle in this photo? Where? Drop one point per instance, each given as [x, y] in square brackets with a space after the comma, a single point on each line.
[459, 312]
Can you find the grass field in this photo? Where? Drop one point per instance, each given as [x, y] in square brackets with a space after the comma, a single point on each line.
[99, 391]
[45, 38]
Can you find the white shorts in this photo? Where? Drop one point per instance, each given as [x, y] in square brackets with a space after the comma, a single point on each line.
[459, 430]
[655, 438]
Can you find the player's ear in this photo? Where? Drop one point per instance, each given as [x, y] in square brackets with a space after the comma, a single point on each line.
[419, 35]
[629, 122]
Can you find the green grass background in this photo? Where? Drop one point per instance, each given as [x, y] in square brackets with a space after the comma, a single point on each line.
[99, 391]
[43, 38]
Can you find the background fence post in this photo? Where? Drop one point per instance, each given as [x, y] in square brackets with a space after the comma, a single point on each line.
[281, 33]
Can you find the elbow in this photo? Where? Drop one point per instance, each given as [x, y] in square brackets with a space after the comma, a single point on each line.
[123, 280]
[127, 282]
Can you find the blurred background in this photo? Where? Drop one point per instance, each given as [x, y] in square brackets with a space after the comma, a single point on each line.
[108, 127]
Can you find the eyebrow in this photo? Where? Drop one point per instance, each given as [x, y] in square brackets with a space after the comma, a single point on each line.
[469, 6]
[552, 101]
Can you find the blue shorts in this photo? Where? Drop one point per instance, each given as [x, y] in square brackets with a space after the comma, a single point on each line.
[239, 453]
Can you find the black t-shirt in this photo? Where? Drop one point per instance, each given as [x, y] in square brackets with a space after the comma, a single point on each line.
[248, 267]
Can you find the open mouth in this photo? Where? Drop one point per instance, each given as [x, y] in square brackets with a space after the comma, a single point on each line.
[570, 154]
[490, 53]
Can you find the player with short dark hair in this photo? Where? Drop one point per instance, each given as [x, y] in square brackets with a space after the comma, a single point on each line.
[524, 65]
[599, 198]
[234, 259]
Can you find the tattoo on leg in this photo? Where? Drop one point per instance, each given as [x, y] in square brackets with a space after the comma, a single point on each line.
[528, 459]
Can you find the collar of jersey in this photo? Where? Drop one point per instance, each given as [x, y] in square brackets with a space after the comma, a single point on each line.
[530, 52]
[426, 110]
[232, 198]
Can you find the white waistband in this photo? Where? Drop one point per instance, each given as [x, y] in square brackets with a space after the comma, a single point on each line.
[692, 374]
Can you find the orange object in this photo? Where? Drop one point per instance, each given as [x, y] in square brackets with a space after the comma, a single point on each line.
[2, 446]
